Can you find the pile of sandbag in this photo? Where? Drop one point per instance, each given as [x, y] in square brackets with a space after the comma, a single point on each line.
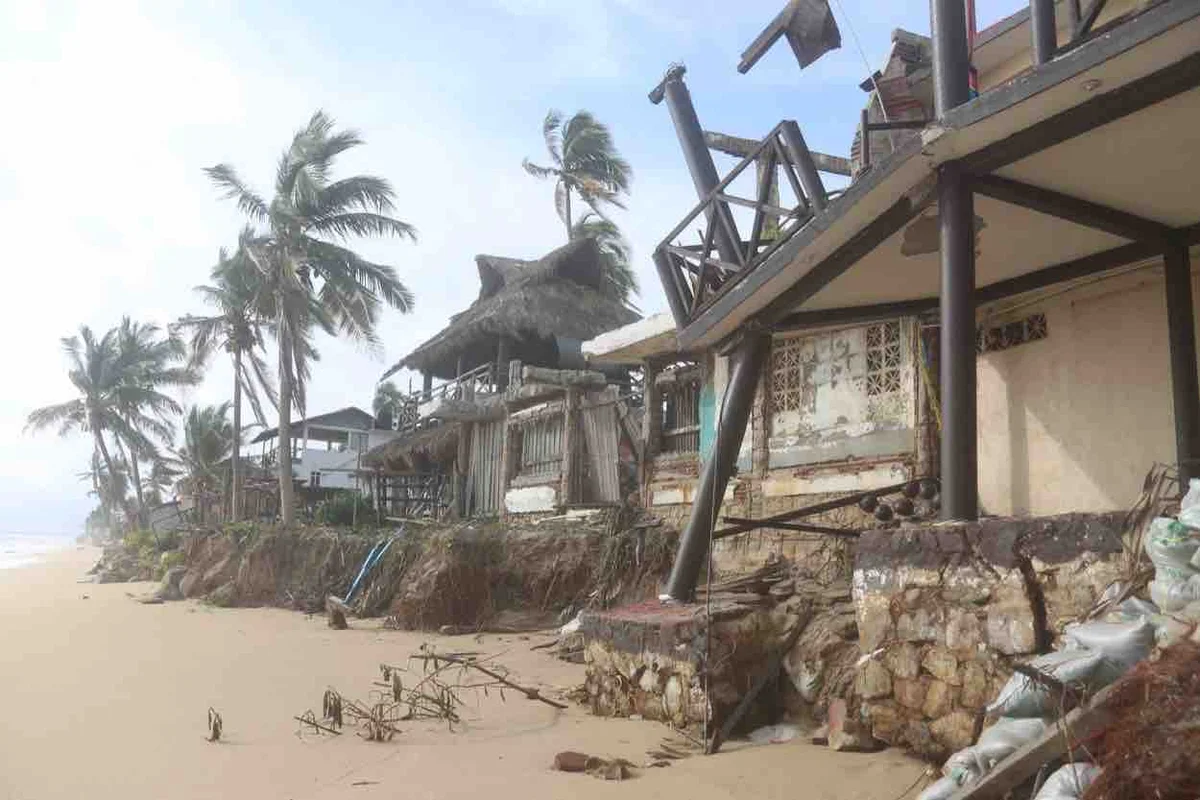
[1173, 546]
[1093, 655]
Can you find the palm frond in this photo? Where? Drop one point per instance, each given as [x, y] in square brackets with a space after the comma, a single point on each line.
[551, 134]
[249, 203]
[361, 223]
[538, 171]
[65, 416]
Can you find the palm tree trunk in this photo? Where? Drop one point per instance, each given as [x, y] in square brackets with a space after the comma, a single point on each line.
[112, 473]
[567, 210]
[235, 502]
[130, 459]
[287, 501]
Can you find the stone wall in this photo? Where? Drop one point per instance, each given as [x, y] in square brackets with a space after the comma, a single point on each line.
[943, 609]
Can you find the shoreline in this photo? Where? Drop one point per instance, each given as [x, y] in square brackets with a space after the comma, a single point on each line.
[107, 698]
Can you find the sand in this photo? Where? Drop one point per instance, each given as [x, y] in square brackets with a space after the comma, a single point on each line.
[103, 697]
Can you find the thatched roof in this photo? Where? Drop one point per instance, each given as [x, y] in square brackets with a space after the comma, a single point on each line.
[416, 451]
[532, 302]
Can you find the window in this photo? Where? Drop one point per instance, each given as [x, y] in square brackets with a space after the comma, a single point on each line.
[884, 359]
[314, 480]
[1011, 334]
[541, 444]
[792, 364]
[681, 409]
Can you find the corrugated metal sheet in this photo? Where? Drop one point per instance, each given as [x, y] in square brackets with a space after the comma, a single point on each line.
[598, 416]
[485, 478]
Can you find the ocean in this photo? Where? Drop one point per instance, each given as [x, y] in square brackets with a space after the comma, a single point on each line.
[19, 549]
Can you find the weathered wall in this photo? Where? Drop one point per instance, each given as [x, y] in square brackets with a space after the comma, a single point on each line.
[940, 608]
[1073, 421]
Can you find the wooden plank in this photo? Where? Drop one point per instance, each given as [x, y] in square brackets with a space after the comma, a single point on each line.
[564, 377]
[570, 443]
[1078, 726]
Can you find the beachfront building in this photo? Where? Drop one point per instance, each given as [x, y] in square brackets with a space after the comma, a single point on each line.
[1011, 257]
[504, 396]
[326, 448]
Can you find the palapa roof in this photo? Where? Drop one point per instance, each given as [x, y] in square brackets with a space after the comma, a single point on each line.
[416, 450]
[536, 302]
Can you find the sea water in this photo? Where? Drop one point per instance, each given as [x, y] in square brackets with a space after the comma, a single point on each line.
[19, 549]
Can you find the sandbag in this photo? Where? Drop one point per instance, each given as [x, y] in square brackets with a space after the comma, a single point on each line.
[995, 744]
[1189, 506]
[1122, 644]
[1022, 697]
[1172, 594]
[1069, 782]
[941, 789]
[1171, 546]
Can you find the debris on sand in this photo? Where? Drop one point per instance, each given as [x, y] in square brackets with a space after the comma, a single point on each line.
[215, 725]
[609, 769]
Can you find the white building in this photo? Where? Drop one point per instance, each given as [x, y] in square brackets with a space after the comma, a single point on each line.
[327, 448]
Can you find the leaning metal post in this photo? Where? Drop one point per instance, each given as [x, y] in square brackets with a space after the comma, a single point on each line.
[1181, 326]
[1045, 35]
[699, 159]
[748, 362]
[956, 212]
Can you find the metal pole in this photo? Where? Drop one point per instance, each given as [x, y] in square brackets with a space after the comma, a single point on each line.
[1045, 35]
[1181, 326]
[735, 413]
[959, 473]
[800, 155]
[951, 56]
[666, 276]
[699, 159]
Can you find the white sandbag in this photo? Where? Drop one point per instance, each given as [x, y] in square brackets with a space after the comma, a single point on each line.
[1122, 644]
[941, 789]
[1189, 506]
[1022, 697]
[1069, 782]
[1171, 545]
[995, 744]
[1172, 594]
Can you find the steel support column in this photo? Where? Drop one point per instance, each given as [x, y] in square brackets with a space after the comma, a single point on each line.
[699, 159]
[735, 414]
[1181, 326]
[1045, 34]
[959, 456]
[951, 57]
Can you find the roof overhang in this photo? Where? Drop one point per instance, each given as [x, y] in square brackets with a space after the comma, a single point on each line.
[633, 343]
[1110, 124]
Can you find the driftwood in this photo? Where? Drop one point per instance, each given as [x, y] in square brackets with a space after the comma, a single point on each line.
[581, 378]
[470, 662]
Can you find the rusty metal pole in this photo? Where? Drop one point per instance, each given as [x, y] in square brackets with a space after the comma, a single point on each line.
[1045, 35]
[956, 213]
[699, 159]
[718, 467]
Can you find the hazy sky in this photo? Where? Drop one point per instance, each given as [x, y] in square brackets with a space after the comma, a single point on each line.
[115, 106]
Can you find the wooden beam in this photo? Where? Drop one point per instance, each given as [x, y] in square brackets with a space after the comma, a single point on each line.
[564, 377]
[1088, 19]
[769, 35]
[453, 410]
[1010, 773]
[845, 533]
[570, 443]
[741, 147]
[1073, 209]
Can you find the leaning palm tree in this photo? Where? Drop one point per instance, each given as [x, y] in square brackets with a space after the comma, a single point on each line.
[617, 276]
[237, 326]
[96, 372]
[207, 442]
[583, 161]
[150, 363]
[313, 281]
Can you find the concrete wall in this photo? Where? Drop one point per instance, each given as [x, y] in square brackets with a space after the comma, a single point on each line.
[1073, 422]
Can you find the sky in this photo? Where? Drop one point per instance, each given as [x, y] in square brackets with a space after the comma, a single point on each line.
[116, 107]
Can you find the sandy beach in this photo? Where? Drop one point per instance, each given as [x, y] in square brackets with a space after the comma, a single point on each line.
[104, 697]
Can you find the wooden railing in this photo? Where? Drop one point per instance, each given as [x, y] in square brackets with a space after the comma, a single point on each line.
[691, 273]
[422, 495]
[481, 380]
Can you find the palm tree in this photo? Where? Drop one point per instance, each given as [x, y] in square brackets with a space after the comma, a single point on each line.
[237, 327]
[584, 161]
[207, 442]
[96, 372]
[312, 280]
[617, 276]
[387, 402]
[149, 363]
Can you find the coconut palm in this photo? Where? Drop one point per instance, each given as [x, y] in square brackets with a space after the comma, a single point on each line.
[314, 282]
[97, 373]
[617, 276]
[387, 403]
[207, 442]
[151, 362]
[583, 161]
[241, 317]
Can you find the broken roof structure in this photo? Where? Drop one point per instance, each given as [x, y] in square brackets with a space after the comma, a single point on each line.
[542, 309]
